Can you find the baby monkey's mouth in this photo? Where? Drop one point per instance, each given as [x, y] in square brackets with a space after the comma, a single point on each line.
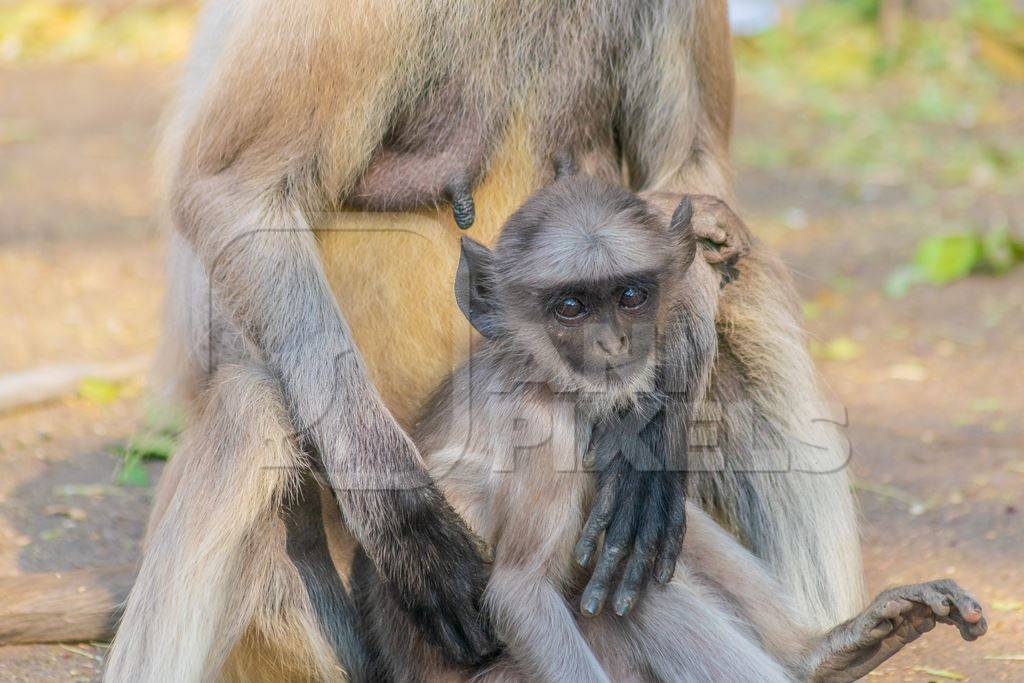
[619, 372]
[622, 372]
[628, 363]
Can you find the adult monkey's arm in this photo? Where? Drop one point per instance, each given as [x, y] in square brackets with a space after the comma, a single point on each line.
[298, 99]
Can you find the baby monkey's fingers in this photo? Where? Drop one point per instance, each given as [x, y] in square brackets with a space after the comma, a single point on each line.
[623, 525]
[675, 527]
[713, 220]
[725, 237]
[608, 485]
[645, 546]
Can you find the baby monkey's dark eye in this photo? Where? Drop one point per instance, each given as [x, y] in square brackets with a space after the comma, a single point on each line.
[633, 297]
[570, 308]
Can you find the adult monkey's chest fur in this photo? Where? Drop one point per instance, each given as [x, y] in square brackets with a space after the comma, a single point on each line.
[393, 273]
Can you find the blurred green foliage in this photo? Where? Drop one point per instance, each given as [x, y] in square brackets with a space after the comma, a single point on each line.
[99, 391]
[157, 439]
[938, 105]
[945, 258]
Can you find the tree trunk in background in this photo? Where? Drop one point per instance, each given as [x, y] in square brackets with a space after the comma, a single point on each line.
[890, 22]
[931, 9]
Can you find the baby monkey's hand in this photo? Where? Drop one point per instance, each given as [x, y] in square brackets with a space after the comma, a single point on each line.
[639, 507]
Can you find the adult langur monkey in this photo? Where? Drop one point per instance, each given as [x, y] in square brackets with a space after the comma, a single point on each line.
[316, 153]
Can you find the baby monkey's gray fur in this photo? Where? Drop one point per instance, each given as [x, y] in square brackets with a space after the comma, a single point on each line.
[590, 295]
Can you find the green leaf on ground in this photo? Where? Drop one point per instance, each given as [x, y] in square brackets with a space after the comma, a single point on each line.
[997, 250]
[150, 446]
[941, 673]
[947, 258]
[100, 391]
[132, 473]
[156, 440]
[901, 280]
[943, 259]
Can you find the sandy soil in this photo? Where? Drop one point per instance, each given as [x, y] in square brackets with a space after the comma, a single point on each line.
[933, 391]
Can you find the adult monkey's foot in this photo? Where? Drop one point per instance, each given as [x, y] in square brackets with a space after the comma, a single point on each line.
[896, 617]
[719, 227]
[723, 235]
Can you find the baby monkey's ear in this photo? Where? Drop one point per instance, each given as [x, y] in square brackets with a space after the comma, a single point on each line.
[681, 227]
[473, 287]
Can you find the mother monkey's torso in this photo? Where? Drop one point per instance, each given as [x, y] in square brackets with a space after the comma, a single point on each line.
[487, 97]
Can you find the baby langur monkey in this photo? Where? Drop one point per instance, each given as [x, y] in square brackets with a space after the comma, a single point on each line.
[588, 288]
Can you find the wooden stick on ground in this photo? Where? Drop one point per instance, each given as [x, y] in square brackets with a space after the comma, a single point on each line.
[21, 389]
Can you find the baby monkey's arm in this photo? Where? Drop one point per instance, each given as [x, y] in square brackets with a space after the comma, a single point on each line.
[641, 454]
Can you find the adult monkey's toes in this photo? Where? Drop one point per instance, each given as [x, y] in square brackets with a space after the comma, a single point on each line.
[718, 225]
[460, 193]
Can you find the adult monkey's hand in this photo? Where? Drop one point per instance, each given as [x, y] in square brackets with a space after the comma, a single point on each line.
[640, 507]
[435, 567]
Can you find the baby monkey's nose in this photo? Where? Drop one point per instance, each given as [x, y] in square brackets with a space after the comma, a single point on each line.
[613, 345]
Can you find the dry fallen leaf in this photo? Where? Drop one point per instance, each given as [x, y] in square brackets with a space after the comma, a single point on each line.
[908, 372]
[941, 673]
[88, 490]
[838, 349]
[73, 513]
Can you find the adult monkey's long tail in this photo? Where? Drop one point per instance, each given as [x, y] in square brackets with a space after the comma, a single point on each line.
[74, 606]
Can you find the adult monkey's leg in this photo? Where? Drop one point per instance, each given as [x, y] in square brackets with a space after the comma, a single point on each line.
[218, 567]
[299, 96]
[783, 487]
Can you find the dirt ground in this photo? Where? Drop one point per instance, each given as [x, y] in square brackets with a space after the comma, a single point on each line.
[932, 382]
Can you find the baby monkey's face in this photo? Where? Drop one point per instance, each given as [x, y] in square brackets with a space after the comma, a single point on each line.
[604, 332]
[575, 283]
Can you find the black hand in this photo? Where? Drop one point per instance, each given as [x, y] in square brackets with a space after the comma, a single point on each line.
[436, 571]
[640, 505]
